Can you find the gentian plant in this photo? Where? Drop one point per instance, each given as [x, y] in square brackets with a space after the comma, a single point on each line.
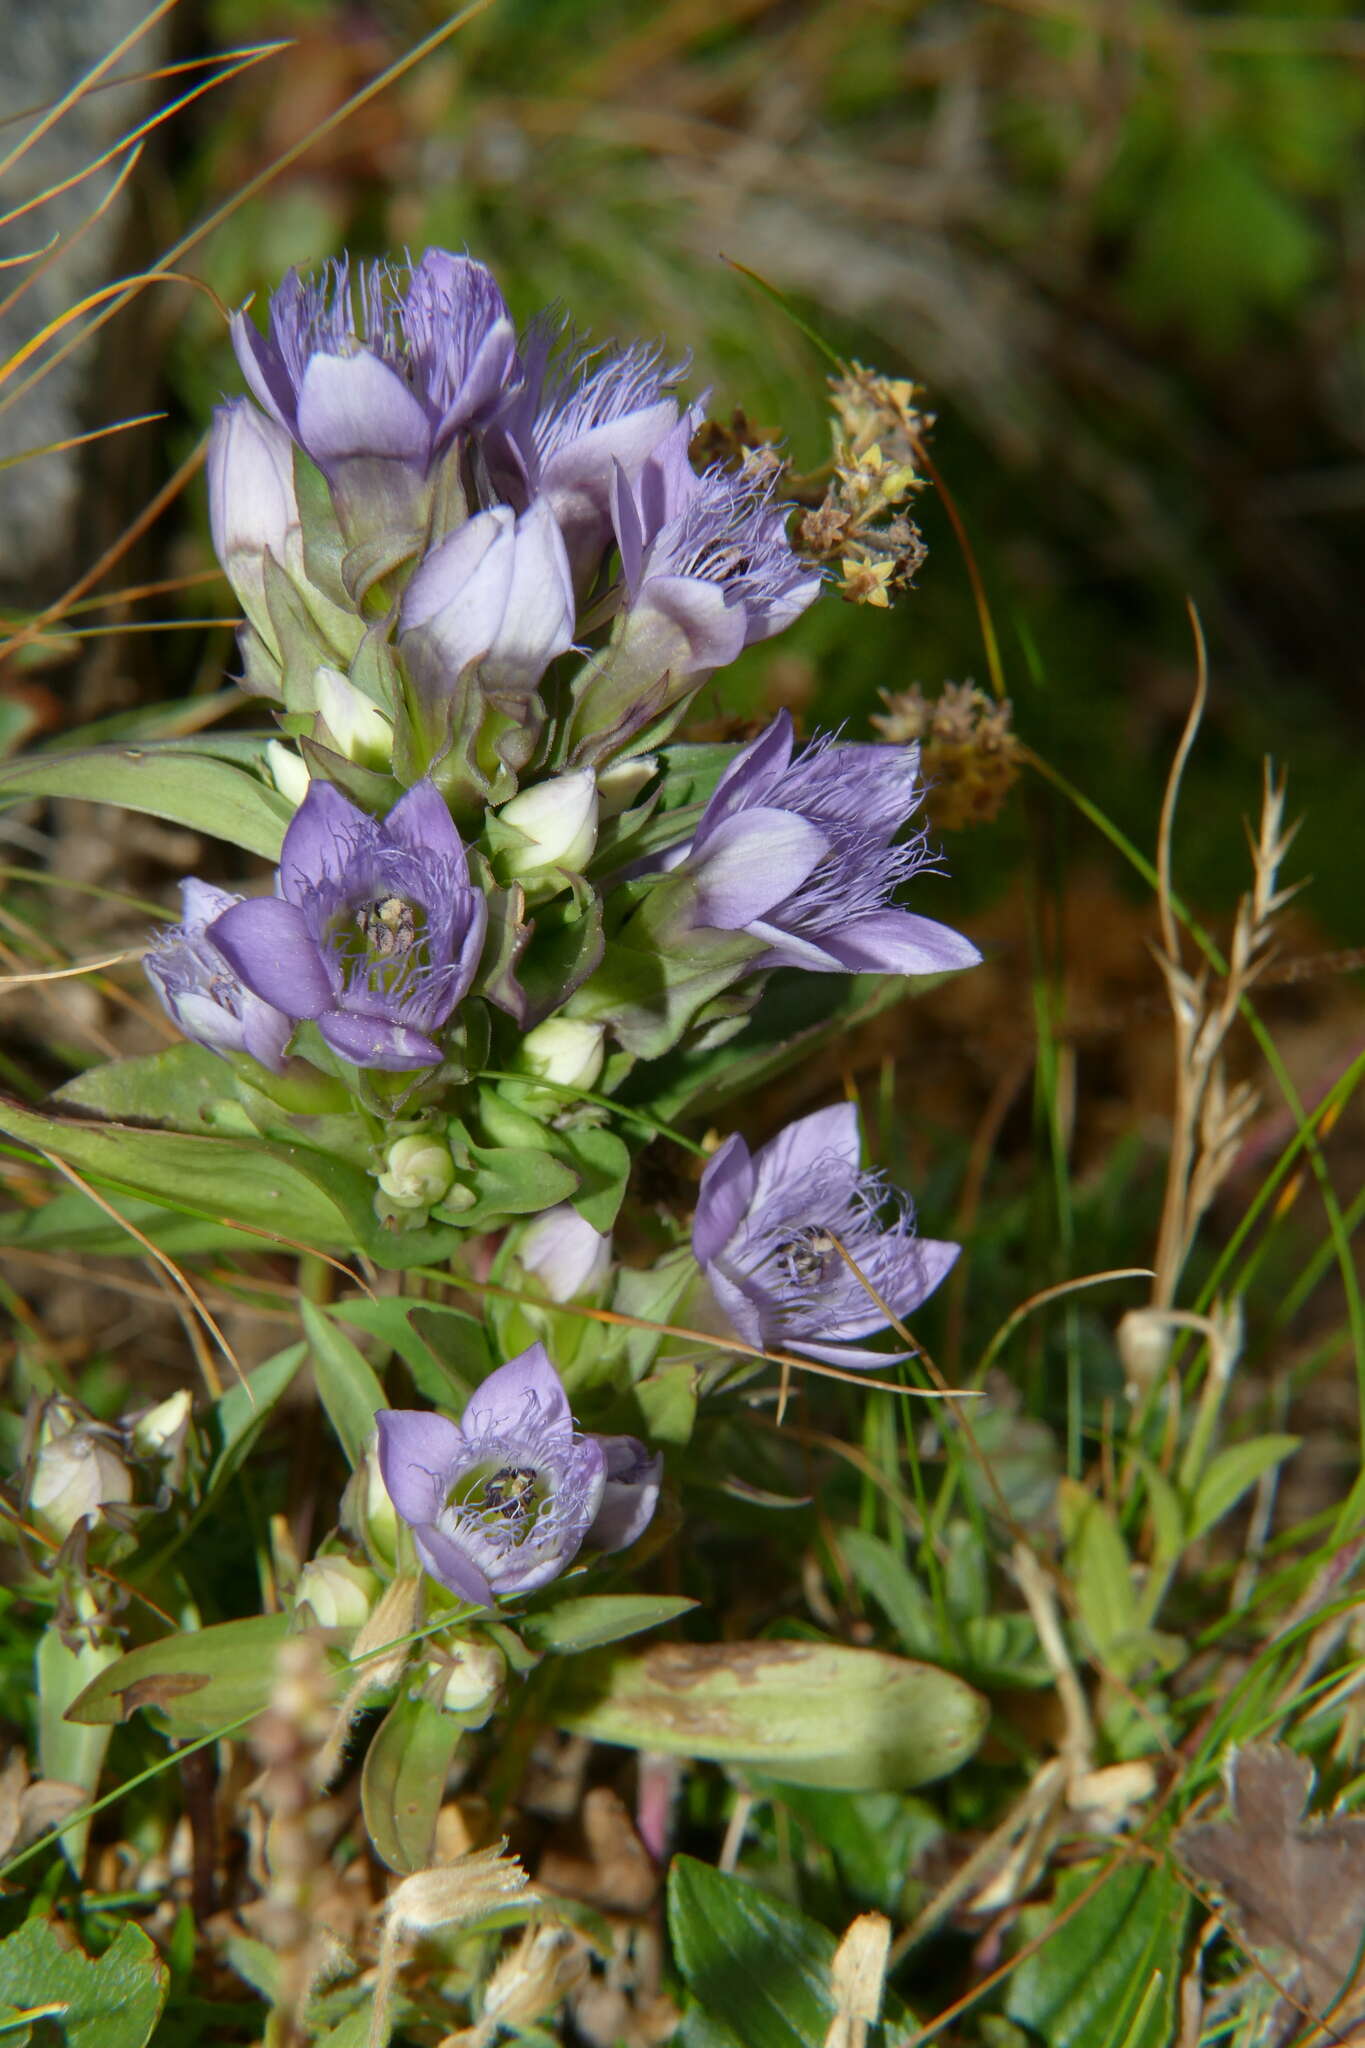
[513, 932]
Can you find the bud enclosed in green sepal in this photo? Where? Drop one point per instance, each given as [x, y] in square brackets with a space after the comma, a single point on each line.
[341, 1594]
[418, 1171]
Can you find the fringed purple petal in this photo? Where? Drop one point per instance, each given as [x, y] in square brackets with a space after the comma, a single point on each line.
[726, 1191]
[527, 1385]
[370, 1041]
[630, 1495]
[419, 1451]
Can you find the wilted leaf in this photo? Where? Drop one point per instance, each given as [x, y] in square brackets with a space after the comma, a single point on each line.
[196, 1682]
[800, 1712]
[1296, 1887]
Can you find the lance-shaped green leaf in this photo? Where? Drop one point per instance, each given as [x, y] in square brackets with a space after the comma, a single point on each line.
[346, 1383]
[169, 781]
[404, 1780]
[69, 1754]
[807, 1713]
[113, 2003]
[571, 1626]
[1110, 1976]
[760, 1972]
[195, 1683]
[1231, 1474]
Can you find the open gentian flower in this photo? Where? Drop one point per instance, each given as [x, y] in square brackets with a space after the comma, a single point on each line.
[200, 990]
[369, 366]
[376, 931]
[562, 432]
[767, 1233]
[503, 1500]
[706, 561]
[801, 853]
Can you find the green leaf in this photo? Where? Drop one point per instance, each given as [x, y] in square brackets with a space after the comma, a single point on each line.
[512, 1180]
[286, 1191]
[875, 1838]
[1086, 1987]
[886, 1578]
[444, 1348]
[186, 1088]
[573, 1625]
[404, 1780]
[113, 2003]
[794, 1017]
[164, 781]
[346, 1385]
[801, 1712]
[72, 1221]
[194, 1683]
[758, 1969]
[72, 1755]
[243, 1411]
[1231, 1474]
[667, 1401]
[1101, 1572]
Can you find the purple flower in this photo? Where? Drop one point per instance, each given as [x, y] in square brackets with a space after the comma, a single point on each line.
[253, 510]
[376, 931]
[802, 853]
[562, 432]
[767, 1234]
[369, 363]
[501, 1501]
[199, 989]
[706, 561]
[497, 593]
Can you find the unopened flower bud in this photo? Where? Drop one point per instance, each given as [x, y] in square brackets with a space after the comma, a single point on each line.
[418, 1171]
[74, 1475]
[566, 1050]
[555, 824]
[473, 1675]
[161, 1431]
[369, 1512]
[620, 784]
[359, 728]
[564, 1254]
[341, 1594]
[252, 507]
[288, 771]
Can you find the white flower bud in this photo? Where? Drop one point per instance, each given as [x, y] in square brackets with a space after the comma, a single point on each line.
[157, 1433]
[288, 771]
[359, 727]
[74, 1475]
[620, 784]
[473, 1674]
[556, 820]
[252, 506]
[566, 1255]
[418, 1171]
[341, 1594]
[378, 1516]
[568, 1050]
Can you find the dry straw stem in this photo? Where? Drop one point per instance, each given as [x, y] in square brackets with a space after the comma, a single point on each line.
[857, 1978]
[1210, 1115]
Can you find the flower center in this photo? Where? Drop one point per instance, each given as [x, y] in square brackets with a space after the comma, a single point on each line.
[805, 1257]
[504, 1499]
[387, 925]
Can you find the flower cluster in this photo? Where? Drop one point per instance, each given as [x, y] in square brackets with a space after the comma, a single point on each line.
[483, 575]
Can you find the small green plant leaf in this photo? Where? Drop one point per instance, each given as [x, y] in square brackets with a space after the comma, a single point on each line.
[70, 1754]
[757, 1970]
[166, 781]
[404, 1780]
[347, 1386]
[1231, 1474]
[1089, 1984]
[884, 1576]
[574, 1625]
[195, 1682]
[1101, 1572]
[801, 1712]
[113, 2003]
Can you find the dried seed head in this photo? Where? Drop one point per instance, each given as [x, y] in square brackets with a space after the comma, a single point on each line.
[969, 754]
